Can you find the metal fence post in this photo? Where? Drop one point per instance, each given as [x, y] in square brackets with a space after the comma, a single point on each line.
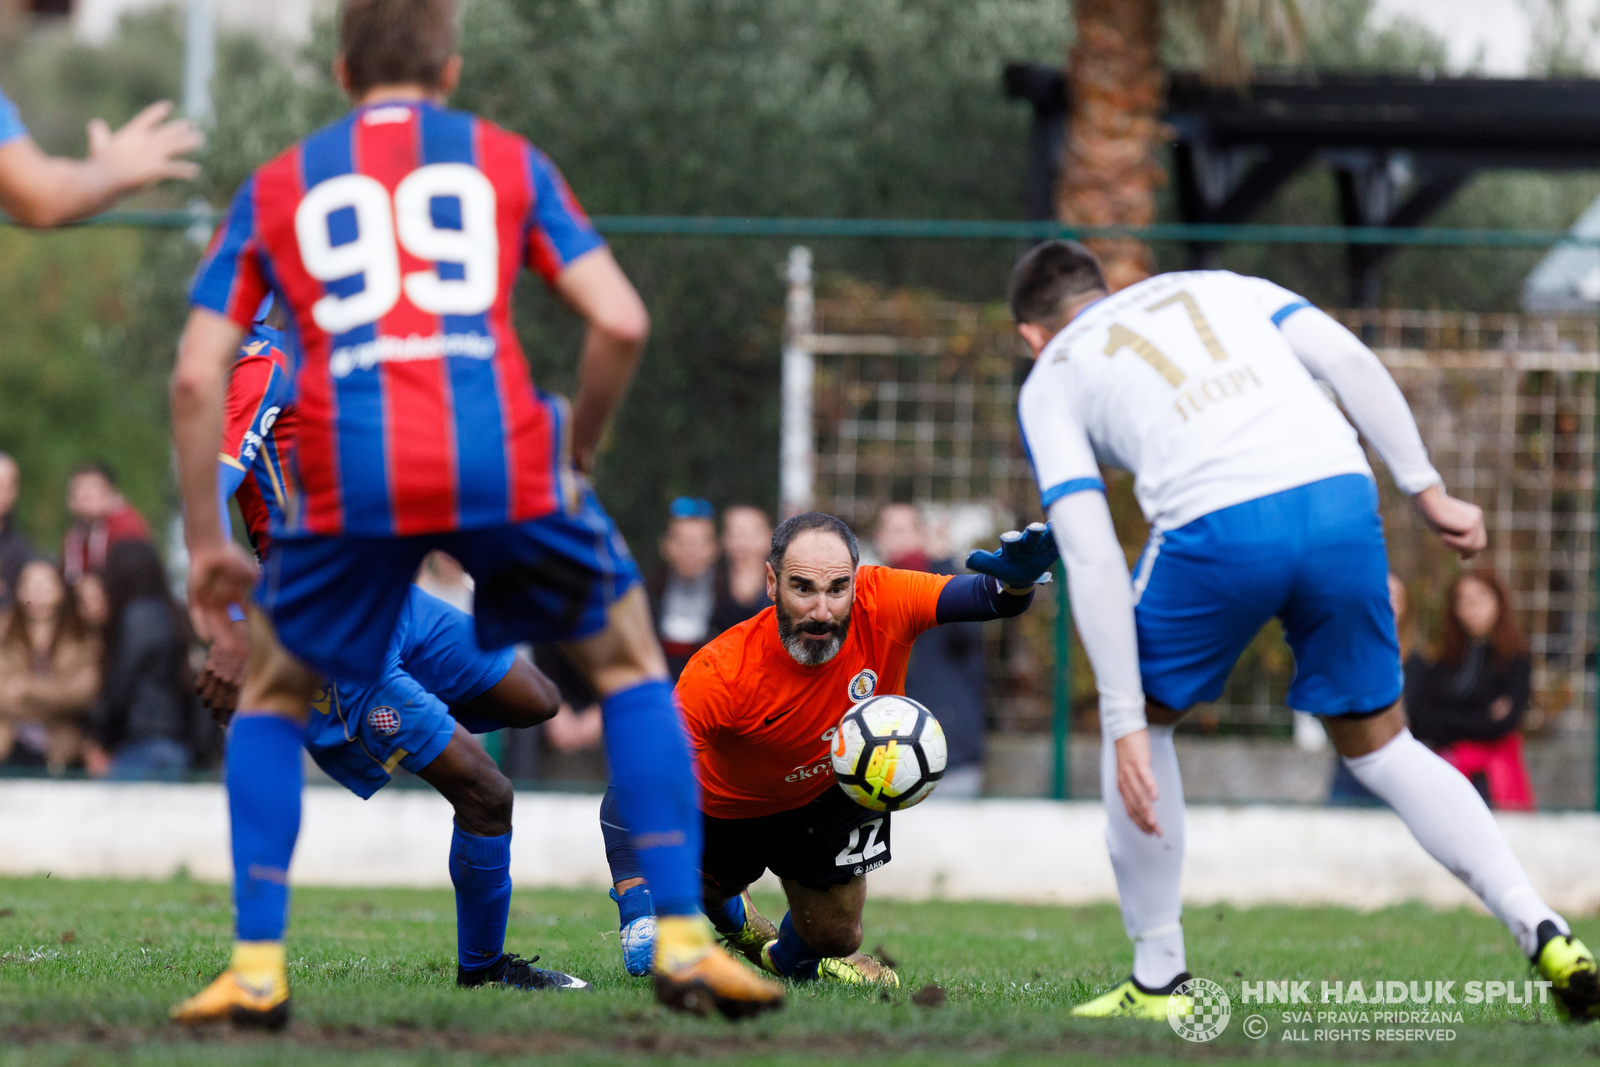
[1061, 720]
[797, 442]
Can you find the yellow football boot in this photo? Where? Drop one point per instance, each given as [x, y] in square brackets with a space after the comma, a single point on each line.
[1130, 1000]
[857, 969]
[693, 974]
[253, 991]
[753, 935]
[1572, 972]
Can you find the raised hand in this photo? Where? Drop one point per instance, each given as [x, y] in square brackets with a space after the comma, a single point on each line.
[146, 148]
[1023, 559]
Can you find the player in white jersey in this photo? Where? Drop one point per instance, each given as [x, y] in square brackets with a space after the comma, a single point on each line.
[1205, 385]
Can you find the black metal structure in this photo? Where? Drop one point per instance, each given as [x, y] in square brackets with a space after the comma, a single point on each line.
[1399, 147]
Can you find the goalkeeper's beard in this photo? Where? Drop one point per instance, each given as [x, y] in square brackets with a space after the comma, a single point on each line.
[805, 651]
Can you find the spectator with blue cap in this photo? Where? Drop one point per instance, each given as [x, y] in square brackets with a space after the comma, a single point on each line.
[683, 595]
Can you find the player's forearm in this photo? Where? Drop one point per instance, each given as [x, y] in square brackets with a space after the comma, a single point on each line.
[199, 385]
[607, 366]
[1102, 607]
[979, 598]
[1368, 393]
[43, 191]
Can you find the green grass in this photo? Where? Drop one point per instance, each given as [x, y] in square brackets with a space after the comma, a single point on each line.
[88, 969]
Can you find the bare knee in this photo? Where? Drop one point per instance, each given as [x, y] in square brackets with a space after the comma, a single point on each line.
[483, 805]
[1161, 715]
[626, 653]
[465, 776]
[276, 683]
[1358, 735]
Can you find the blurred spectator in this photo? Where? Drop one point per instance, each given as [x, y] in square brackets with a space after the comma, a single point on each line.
[742, 581]
[683, 594]
[947, 670]
[142, 721]
[1470, 702]
[49, 672]
[14, 548]
[443, 576]
[574, 731]
[90, 593]
[101, 518]
[567, 747]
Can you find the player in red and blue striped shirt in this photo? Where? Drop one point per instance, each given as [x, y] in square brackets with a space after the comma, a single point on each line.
[395, 237]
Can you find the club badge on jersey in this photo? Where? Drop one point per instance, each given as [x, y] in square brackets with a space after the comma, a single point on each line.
[863, 685]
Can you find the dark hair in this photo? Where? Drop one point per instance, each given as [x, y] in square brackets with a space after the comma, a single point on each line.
[396, 42]
[791, 528]
[1050, 275]
[95, 466]
[68, 622]
[1506, 640]
[134, 572]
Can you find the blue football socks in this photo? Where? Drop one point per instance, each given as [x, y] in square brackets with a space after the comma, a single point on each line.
[634, 904]
[620, 857]
[480, 869]
[655, 791]
[265, 777]
[728, 917]
[793, 957]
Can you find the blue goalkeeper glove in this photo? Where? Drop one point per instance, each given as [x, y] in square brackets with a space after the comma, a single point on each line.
[1024, 559]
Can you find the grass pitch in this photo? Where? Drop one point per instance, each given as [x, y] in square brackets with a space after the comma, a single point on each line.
[88, 969]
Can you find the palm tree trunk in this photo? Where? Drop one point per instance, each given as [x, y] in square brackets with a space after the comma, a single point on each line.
[1109, 171]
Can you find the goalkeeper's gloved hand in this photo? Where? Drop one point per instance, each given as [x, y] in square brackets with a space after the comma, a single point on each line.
[1023, 560]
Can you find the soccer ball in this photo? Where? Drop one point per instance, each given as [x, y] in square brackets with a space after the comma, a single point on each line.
[889, 753]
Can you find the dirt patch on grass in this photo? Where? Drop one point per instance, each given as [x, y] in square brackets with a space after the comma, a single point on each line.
[719, 1040]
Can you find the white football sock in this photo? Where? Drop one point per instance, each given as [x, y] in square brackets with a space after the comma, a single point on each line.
[1451, 821]
[1149, 869]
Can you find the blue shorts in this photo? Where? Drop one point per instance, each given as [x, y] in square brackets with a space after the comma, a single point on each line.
[336, 600]
[1312, 556]
[358, 734]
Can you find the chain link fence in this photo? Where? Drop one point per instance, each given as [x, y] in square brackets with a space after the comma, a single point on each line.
[914, 399]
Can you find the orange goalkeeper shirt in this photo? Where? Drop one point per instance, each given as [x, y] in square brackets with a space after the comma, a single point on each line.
[761, 723]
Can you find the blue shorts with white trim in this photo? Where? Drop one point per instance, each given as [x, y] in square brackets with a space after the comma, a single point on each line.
[1313, 557]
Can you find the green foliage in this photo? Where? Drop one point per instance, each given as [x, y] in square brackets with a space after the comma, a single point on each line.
[72, 393]
[849, 108]
[61, 83]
